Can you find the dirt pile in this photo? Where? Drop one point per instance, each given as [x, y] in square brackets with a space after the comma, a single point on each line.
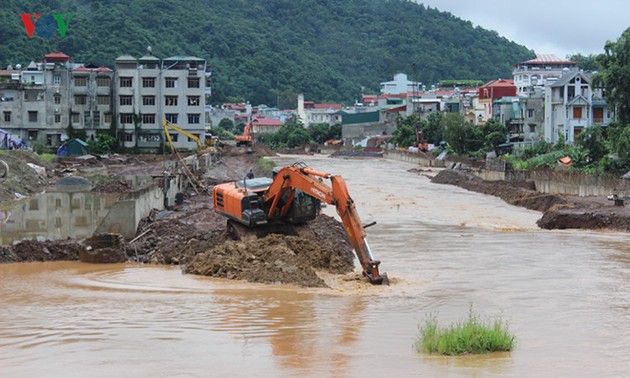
[198, 241]
[29, 251]
[113, 186]
[22, 178]
[560, 211]
[273, 259]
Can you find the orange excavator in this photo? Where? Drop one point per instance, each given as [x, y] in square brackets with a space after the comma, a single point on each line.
[292, 197]
[247, 139]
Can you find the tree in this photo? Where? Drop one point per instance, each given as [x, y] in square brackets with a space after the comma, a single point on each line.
[614, 75]
[406, 129]
[591, 140]
[226, 124]
[433, 129]
[462, 137]
[494, 134]
[585, 62]
[319, 132]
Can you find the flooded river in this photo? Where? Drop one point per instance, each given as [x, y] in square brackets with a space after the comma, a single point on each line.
[565, 294]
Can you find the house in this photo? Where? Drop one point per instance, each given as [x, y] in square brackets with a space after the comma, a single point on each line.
[309, 112]
[266, 125]
[399, 85]
[491, 91]
[536, 73]
[571, 104]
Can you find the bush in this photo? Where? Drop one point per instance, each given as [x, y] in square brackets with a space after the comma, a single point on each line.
[470, 337]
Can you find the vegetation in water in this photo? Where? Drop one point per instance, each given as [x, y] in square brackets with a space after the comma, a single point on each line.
[473, 336]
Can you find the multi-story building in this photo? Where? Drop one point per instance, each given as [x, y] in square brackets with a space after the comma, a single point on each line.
[149, 90]
[41, 101]
[571, 104]
[536, 73]
[399, 85]
[489, 92]
[91, 105]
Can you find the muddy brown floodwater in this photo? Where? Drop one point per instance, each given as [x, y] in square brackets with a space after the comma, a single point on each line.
[565, 294]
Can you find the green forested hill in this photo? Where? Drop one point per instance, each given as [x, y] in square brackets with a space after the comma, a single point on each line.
[266, 51]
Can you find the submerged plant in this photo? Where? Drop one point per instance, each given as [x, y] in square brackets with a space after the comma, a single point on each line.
[472, 336]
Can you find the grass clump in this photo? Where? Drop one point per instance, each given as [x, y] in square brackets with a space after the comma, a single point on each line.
[469, 337]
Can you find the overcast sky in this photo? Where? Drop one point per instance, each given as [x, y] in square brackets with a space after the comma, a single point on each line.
[560, 27]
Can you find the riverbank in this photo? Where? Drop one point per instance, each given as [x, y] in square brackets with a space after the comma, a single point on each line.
[558, 211]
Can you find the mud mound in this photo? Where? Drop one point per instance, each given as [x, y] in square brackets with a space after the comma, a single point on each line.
[29, 251]
[114, 186]
[22, 179]
[570, 218]
[514, 193]
[273, 259]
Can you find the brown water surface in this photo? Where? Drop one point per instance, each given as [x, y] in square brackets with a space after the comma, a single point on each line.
[566, 296]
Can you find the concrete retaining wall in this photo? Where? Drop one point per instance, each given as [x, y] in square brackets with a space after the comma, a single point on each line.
[124, 216]
[572, 183]
[414, 158]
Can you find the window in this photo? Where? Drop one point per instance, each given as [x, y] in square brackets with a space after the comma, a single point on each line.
[7, 117]
[87, 118]
[56, 79]
[170, 100]
[97, 118]
[75, 117]
[126, 118]
[193, 82]
[172, 118]
[80, 99]
[108, 118]
[80, 81]
[32, 135]
[126, 100]
[171, 82]
[148, 82]
[57, 118]
[33, 204]
[174, 137]
[126, 82]
[193, 100]
[148, 100]
[195, 135]
[102, 100]
[32, 116]
[208, 82]
[577, 112]
[530, 113]
[57, 98]
[148, 118]
[193, 118]
[80, 221]
[128, 137]
[102, 81]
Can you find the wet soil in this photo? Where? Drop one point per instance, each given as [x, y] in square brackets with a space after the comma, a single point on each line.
[559, 211]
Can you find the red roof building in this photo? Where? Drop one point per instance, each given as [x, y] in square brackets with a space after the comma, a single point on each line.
[497, 88]
[56, 56]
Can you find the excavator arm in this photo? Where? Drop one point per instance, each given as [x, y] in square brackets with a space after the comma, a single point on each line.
[310, 181]
[166, 125]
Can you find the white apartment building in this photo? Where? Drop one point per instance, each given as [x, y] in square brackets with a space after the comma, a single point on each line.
[148, 90]
[399, 85]
[538, 72]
